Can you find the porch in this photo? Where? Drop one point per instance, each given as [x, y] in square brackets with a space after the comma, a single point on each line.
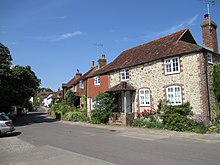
[124, 113]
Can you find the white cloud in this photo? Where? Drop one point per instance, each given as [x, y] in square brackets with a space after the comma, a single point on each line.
[174, 28]
[60, 17]
[192, 20]
[56, 38]
[67, 35]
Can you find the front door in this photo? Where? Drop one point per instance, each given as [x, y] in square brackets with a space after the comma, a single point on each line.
[126, 101]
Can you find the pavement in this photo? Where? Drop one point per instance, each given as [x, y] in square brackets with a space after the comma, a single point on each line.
[152, 134]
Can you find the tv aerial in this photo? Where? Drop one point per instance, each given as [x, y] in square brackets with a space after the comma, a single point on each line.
[208, 3]
[98, 48]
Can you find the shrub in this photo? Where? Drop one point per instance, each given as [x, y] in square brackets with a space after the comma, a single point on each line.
[96, 116]
[147, 124]
[104, 105]
[175, 117]
[201, 128]
[139, 123]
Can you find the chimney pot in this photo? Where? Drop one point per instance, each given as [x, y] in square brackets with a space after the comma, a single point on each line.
[206, 16]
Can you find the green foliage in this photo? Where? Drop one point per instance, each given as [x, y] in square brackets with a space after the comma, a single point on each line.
[70, 98]
[105, 104]
[96, 116]
[17, 84]
[75, 114]
[45, 89]
[216, 81]
[60, 108]
[139, 123]
[147, 124]
[184, 109]
[84, 101]
[5, 59]
[175, 117]
[69, 113]
[24, 84]
[201, 128]
[216, 116]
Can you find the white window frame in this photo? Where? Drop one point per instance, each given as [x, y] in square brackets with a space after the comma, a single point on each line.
[81, 84]
[74, 88]
[170, 66]
[124, 74]
[210, 58]
[92, 103]
[174, 95]
[144, 97]
[97, 80]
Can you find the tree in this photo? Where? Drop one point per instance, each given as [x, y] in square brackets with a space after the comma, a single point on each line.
[17, 83]
[5, 64]
[24, 84]
[104, 106]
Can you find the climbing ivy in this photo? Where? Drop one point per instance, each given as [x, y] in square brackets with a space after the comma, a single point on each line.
[216, 81]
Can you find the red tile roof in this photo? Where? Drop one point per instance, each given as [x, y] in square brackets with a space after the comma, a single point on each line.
[180, 42]
[123, 86]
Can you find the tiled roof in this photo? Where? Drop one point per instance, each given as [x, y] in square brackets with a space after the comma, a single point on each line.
[123, 86]
[181, 42]
[85, 75]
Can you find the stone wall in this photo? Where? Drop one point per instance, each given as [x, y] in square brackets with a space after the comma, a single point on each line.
[151, 75]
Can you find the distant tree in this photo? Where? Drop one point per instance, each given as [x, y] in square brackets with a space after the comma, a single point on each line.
[24, 84]
[45, 89]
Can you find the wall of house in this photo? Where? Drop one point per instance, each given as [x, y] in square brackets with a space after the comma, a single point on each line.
[94, 90]
[152, 77]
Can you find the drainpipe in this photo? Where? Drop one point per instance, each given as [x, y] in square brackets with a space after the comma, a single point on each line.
[207, 84]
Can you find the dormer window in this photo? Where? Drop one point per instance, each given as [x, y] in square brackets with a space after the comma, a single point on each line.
[124, 74]
[172, 65]
[210, 59]
[97, 80]
[81, 84]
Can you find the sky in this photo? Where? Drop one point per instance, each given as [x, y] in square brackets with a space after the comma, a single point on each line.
[57, 37]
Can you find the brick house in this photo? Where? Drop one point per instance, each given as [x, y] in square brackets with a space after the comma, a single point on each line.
[173, 67]
[96, 83]
[84, 85]
[72, 85]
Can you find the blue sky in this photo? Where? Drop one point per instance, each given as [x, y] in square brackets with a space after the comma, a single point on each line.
[57, 37]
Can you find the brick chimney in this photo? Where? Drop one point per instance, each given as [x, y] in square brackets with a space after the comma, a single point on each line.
[78, 74]
[209, 34]
[93, 64]
[102, 62]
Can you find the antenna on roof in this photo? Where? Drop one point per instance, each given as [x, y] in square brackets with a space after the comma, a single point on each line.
[208, 3]
[98, 48]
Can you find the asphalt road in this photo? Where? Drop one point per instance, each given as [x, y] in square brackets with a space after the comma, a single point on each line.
[39, 140]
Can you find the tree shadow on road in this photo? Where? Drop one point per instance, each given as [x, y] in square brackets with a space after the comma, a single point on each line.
[33, 118]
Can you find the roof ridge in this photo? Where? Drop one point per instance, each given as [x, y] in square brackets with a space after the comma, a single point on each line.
[184, 31]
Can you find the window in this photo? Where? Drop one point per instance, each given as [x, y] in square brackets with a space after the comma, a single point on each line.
[74, 88]
[174, 95]
[210, 59]
[93, 103]
[172, 65]
[97, 80]
[124, 74]
[81, 85]
[144, 97]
